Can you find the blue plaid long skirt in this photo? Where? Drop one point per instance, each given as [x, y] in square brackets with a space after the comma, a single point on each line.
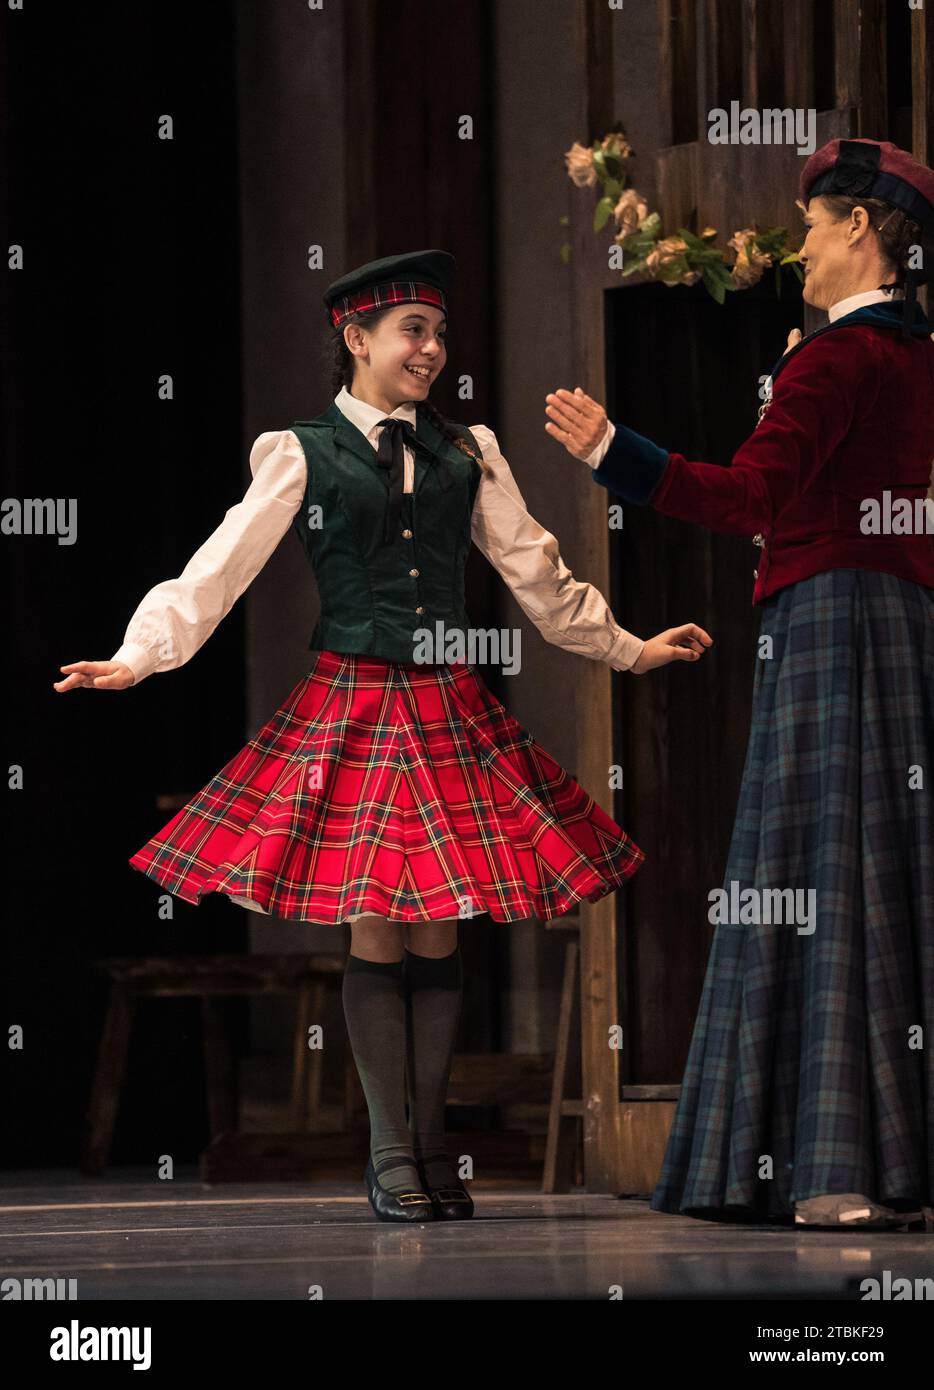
[811, 1067]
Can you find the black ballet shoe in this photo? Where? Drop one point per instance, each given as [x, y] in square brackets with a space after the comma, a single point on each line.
[396, 1206]
[450, 1203]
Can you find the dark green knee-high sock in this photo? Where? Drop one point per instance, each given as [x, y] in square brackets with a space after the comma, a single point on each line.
[434, 987]
[374, 1007]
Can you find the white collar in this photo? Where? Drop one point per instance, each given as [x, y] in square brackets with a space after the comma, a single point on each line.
[366, 417]
[856, 301]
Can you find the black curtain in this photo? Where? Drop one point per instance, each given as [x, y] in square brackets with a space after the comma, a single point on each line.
[129, 274]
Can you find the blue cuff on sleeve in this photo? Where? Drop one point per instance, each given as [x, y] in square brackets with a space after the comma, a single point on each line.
[632, 466]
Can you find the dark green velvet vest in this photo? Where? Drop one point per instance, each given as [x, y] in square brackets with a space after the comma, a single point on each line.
[374, 595]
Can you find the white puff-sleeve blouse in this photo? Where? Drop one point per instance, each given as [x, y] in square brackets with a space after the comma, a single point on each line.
[176, 617]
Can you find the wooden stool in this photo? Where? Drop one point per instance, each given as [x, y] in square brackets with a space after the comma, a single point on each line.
[210, 978]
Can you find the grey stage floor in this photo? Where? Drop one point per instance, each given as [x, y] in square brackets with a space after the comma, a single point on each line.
[126, 1238]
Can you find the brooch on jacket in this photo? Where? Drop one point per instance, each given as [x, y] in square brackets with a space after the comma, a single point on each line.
[758, 539]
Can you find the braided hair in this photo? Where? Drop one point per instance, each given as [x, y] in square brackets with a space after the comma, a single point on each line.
[342, 374]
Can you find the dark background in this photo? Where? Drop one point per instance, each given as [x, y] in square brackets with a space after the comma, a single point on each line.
[132, 270]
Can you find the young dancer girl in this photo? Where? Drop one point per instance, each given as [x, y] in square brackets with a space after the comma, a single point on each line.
[808, 1094]
[389, 791]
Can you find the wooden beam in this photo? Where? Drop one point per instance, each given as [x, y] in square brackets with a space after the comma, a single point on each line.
[723, 69]
[873, 110]
[922, 84]
[922, 103]
[677, 40]
[763, 26]
[860, 53]
[598, 48]
[846, 53]
[799, 54]
[599, 993]
[676, 175]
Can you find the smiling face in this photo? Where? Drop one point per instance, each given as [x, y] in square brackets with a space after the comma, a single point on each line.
[839, 258]
[399, 358]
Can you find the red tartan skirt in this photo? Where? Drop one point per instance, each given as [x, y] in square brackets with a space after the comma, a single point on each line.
[398, 789]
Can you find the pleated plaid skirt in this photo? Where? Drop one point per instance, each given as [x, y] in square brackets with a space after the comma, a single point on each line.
[811, 1068]
[396, 789]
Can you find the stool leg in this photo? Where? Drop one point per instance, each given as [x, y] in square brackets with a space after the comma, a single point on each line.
[314, 1057]
[300, 1059]
[108, 1079]
[561, 1143]
[219, 1069]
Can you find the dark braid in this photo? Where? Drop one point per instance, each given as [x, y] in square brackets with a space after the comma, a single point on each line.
[342, 374]
[449, 431]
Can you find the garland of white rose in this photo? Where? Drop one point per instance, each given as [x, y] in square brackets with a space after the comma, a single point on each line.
[675, 260]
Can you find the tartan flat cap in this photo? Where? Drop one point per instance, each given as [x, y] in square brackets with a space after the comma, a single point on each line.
[422, 277]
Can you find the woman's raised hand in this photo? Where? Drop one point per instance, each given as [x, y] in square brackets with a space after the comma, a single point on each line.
[96, 675]
[794, 338]
[575, 420]
[674, 644]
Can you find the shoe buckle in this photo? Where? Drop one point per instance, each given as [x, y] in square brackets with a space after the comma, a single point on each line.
[447, 1194]
[406, 1199]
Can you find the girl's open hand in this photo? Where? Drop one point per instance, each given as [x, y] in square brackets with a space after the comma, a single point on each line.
[575, 420]
[685, 643]
[96, 675]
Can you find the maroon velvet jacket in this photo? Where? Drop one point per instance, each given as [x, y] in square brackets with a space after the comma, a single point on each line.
[851, 416]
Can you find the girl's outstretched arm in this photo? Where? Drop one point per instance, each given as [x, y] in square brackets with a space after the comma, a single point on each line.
[566, 611]
[176, 617]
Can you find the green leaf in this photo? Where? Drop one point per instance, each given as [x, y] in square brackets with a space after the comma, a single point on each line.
[691, 240]
[599, 162]
[602, 212]
[565, 252]
[773, 241]
[714, 287]
[708, 256]
[718, 271]
[564, 221]
[612, 188]
[638, 245]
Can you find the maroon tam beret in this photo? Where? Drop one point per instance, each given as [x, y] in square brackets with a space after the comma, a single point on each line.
[871, 169]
